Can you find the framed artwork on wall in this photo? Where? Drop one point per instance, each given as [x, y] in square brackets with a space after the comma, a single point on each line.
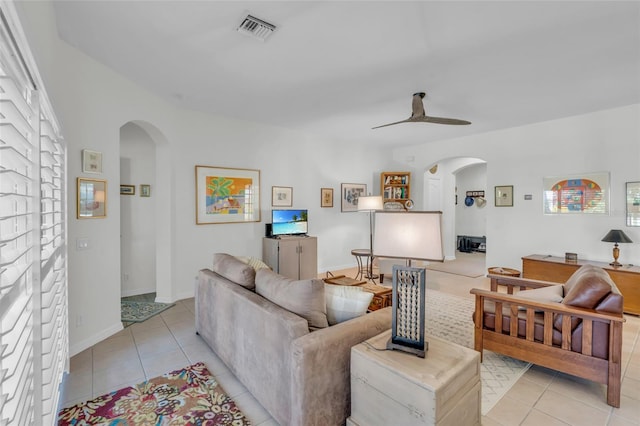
[633, 203]
[91, 161]
[227, 195]
[586, 193]
[503, 196]
[127, 190]
[326, 197]
[349, 194]
[91, 196]
[281, 196]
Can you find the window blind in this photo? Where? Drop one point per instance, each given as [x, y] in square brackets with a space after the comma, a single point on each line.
[33, 270]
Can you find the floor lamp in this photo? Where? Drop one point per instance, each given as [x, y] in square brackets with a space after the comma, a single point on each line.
[411, 236]
[370, 204]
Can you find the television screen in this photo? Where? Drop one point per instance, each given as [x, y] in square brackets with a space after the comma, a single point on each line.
[289, 222]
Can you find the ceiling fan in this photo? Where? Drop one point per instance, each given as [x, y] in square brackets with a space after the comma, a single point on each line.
[418, 115]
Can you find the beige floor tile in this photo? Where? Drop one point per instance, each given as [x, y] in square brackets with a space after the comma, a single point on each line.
[631, 388]
[633, 372]
[78, 385]
[124, 341]
[251, 408]
[488, 421]
[620, 421]
[540, 375]
[585, 391]
[107, 380]
[269, 422]
[526, 391]
[629, 408]
[230, 384]
[200, 352]
[190, 304]
[537, 418]
[160, 344]
[114, 359]
[82, 361]
[509, 411]
[569, 410]
[164, 362]
[178, 316]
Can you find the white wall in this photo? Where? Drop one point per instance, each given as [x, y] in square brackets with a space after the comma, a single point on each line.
[601, 141]
[471, 220]
[137, 213]
[93, 103]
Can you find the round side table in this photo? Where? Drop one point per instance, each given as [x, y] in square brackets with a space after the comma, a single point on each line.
[508, 272]
[365, 269]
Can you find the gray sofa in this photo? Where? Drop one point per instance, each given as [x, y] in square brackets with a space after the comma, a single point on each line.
[301, 377]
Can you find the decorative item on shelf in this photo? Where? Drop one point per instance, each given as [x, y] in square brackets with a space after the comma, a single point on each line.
[369, 205]
[409, 236]
[571, 257]
[393, 205]
[616, 236]
[468, 201]
[409, 204]
[481, 202]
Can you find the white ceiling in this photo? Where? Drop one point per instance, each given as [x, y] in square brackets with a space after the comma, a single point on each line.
[339, 68]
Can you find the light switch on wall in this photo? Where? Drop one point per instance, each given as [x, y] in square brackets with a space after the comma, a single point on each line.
[82, 244]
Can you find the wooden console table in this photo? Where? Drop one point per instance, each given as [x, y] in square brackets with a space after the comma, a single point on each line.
[556, 269]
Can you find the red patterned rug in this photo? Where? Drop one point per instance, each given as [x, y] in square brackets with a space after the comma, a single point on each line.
[190, 396]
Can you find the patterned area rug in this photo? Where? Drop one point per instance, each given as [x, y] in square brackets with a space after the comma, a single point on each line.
[131, 311]
[450, 318]
[190, 396]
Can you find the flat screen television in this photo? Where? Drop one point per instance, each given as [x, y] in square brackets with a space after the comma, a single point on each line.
[289, 222]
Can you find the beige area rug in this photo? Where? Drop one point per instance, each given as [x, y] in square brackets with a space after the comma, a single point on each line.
[450, 318]
[470, 265]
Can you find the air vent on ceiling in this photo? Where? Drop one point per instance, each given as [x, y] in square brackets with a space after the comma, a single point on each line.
[256, 28]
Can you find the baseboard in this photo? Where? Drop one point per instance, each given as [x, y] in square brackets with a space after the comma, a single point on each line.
[96, 338]
[137, 291]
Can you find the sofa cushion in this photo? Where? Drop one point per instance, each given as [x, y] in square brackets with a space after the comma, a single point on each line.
[303, 297]
[345, 302]
[552, 293]
[234, 270]
[586, 288]
[254, 262]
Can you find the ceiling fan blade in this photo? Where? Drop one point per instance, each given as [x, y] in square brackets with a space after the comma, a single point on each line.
[391, 124]
[441, 120]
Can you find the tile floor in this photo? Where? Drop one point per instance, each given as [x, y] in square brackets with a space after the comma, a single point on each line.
[168, 341]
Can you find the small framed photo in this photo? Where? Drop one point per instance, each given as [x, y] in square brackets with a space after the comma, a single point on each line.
[349, 194]
[326, 197]
[92, 198]
[127, 190]
[281, 196]
[504, 196]
[633, 203]
[145, 190]
[91, 161]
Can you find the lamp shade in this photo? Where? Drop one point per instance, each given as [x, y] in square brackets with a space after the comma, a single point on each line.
[370, 203]
[616, 236]
[408, 235]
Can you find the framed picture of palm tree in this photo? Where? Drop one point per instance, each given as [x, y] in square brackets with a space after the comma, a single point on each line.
[227, 195]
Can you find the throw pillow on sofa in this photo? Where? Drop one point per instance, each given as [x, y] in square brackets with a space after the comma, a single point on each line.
[303, 297]
[254, 262]
[345, 302]
[234, 270]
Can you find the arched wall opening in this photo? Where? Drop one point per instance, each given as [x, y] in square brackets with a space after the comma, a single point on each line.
[146, 224]
[442, 193]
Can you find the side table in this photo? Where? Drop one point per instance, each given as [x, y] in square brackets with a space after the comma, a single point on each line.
[401, 389]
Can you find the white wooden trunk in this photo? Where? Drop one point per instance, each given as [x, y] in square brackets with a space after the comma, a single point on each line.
[391, 387]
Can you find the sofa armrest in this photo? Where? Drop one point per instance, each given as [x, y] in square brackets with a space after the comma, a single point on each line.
[321, 383]
[513, 282]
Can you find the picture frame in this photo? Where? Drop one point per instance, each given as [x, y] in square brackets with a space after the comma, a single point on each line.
[326, 197]
[91, 198]
[633, 203]
[585, 193]
[349, 194]
[127, 190]
[227, 195]
[145, 190]
[91, 161]
[281, 196]
[504, 196]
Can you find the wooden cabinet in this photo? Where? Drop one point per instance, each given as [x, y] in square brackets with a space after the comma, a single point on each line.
[396, 388]
[292, 257]
[556, 269]
[395, 186]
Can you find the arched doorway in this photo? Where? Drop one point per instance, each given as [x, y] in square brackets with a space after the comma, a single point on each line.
[441, 192]
[146, 218]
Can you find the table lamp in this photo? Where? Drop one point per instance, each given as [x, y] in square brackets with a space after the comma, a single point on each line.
[616, 236]
[370, 204]
[412, 236]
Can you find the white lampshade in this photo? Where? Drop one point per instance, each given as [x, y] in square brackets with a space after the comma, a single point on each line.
[408, 235]
[370, 203]
[98, 196]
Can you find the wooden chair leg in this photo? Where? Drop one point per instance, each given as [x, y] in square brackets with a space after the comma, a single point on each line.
[615, 368]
